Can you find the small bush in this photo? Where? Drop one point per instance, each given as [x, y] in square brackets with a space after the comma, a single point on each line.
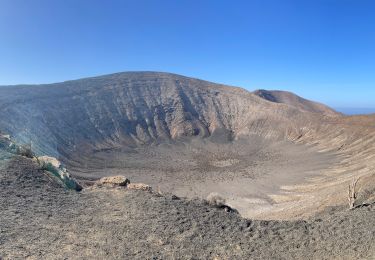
[352, 193]
[216, 200]
[25, 150]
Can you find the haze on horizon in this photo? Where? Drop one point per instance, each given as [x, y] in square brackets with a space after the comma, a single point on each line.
[320, 50]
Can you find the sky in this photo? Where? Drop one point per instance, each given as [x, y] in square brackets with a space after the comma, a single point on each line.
[323, 50]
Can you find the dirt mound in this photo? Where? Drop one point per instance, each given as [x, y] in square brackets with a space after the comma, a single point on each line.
[41, 220]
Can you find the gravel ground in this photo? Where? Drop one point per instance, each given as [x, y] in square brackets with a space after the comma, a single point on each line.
[39, 219]
[247, 172]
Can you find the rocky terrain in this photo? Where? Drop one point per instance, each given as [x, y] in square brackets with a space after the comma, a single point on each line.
[189, 137]
[40, 219]
[282, 162]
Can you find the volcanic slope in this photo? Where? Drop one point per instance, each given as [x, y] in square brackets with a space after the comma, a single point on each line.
[136, 108]
[192, 137]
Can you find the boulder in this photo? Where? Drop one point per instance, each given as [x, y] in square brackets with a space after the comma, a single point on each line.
[114, 181]
[54, 166]
[52, 160]
[139, 186]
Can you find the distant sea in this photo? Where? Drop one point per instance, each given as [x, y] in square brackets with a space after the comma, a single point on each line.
[355, 111]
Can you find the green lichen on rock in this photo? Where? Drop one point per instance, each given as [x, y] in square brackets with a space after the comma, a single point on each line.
[58, 171]
[9, 149]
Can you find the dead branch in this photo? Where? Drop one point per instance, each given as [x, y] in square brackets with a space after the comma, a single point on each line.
[352, 193]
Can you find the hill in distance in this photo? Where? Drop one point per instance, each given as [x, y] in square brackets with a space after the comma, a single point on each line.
[296, 101]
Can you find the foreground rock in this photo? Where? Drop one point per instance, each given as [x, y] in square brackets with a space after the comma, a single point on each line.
[49, 160]
[54, 167]
[121, 181]
[113, 181]
[139, 186]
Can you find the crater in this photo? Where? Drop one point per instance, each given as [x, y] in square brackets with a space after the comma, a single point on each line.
[271, 154]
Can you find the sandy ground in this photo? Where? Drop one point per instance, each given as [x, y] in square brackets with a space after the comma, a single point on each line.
[247, 173]
[39, 219]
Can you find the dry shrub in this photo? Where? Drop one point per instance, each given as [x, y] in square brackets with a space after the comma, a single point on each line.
[353, 193]
[216, 200]
[25, 150]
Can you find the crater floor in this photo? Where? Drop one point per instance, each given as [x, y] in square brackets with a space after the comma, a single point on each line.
[247, 173]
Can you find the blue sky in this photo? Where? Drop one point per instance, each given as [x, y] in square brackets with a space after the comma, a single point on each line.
[320, 49]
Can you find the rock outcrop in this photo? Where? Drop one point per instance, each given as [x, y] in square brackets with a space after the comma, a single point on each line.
[54, 166]
[113, 181]
[49, 160]
[139, 186]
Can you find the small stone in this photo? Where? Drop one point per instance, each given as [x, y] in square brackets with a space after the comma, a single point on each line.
[174, 197]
